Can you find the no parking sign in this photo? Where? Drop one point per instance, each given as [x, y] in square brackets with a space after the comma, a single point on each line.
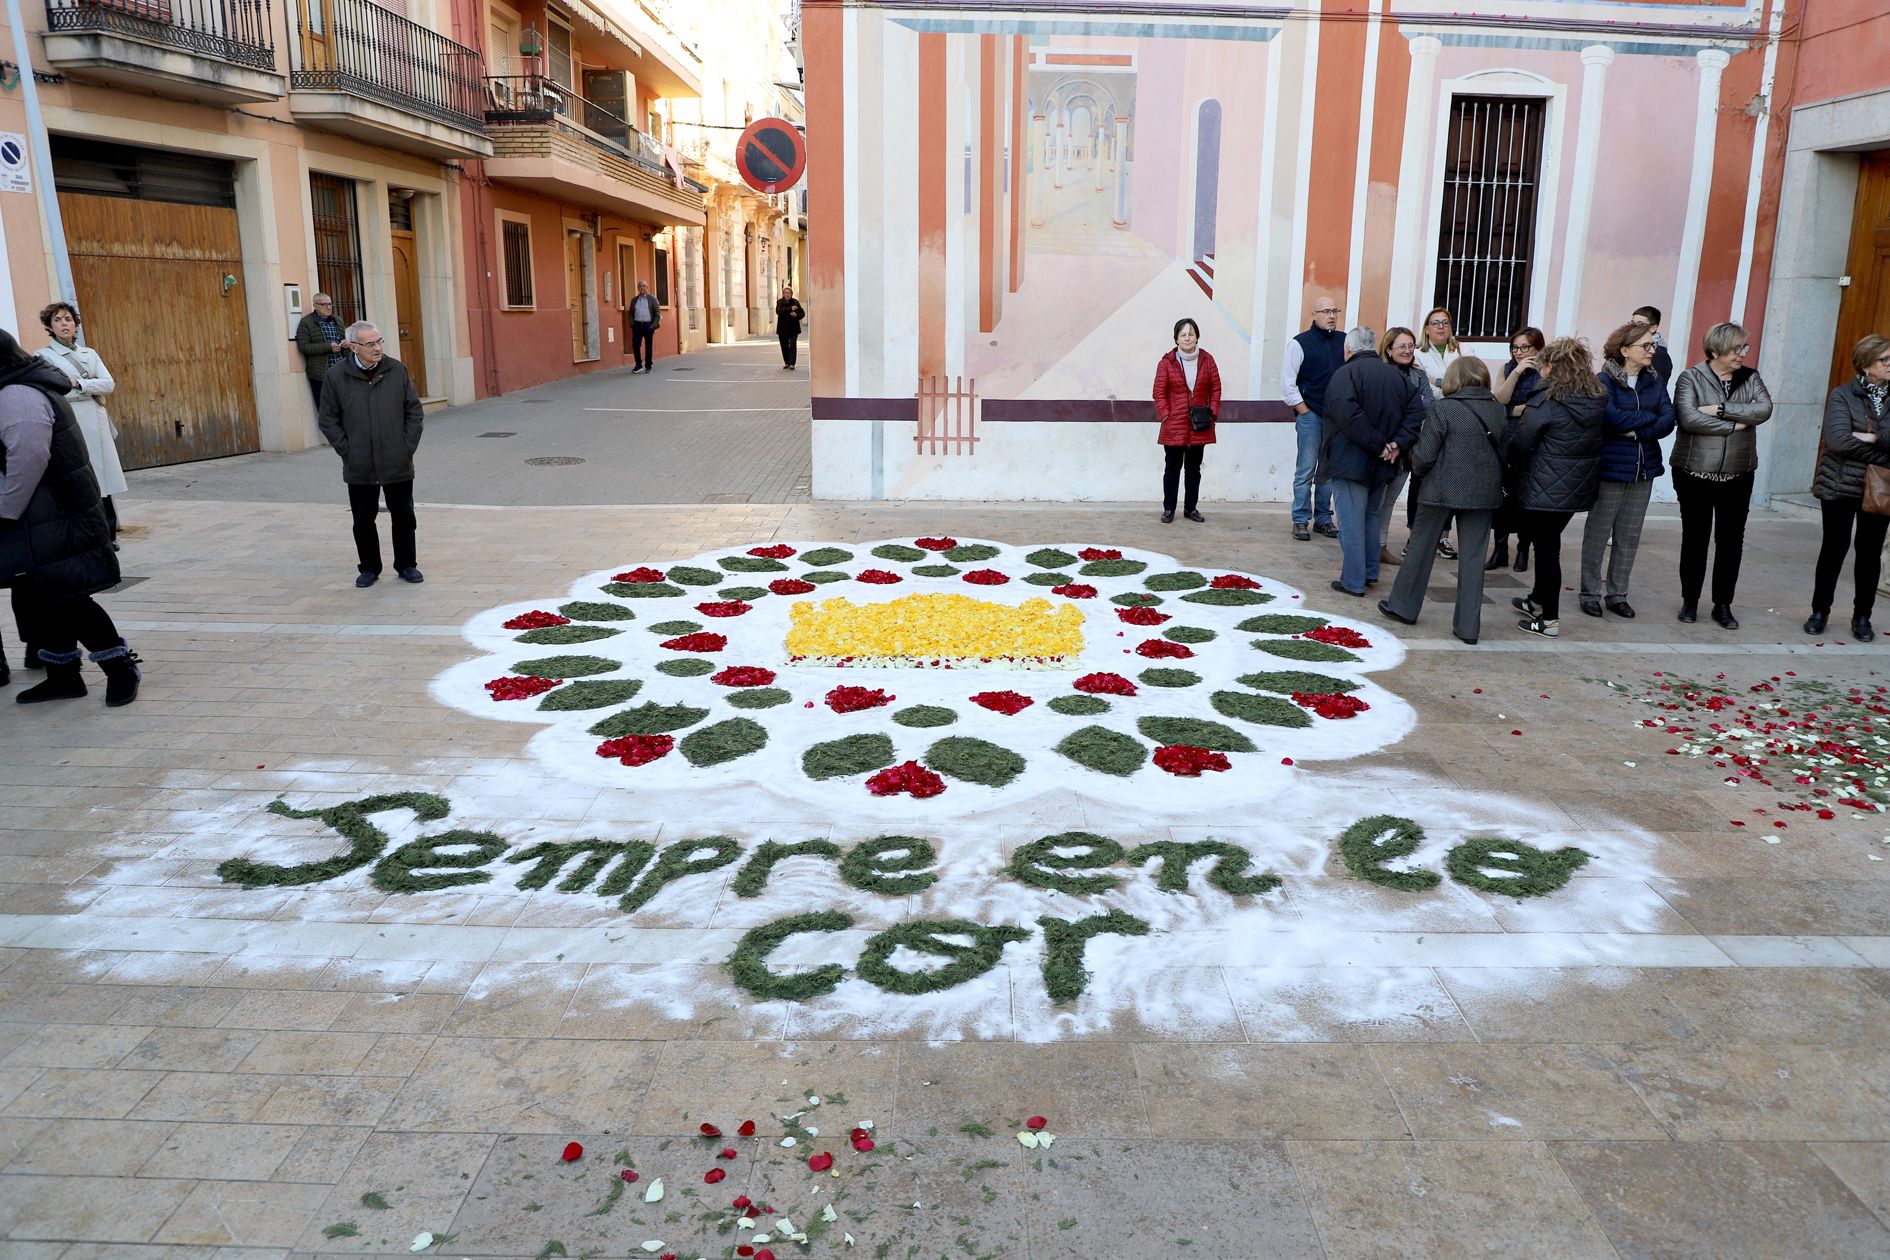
[14, 177]
[771, 155]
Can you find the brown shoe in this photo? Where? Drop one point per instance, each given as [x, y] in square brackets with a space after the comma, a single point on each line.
[1387, 556]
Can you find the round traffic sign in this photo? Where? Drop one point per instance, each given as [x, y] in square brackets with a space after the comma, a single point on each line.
[771, 155]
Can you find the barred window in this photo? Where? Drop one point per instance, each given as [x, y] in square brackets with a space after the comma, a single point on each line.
[518, 263]
[1487, 221]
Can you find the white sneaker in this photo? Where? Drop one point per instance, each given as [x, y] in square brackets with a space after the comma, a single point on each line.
[1540, 625]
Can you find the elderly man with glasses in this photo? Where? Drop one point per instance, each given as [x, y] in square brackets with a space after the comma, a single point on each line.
[371, 415]
[322, 343]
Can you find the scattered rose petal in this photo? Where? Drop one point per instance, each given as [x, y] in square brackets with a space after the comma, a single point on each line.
[727, 1152]
[573, 1151]
[1028, 1139]
[710, 1131]
[747, 1129]
[714, 1175]
[630, 1176]
[1286, 761]
[813, 1100]
[821, 1162]
[863, 1145]
[744, 1250]
[742, 1201]
[787, 1141]
[1044, 1140]
[812, 1130]
[655, 1193]
[654, 1244]
[828, 1214]
[1036, 1122]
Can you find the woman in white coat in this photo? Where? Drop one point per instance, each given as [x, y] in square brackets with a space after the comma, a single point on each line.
[90, 382]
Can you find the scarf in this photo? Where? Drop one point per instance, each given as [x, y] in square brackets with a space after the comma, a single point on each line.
[1190, 364]
[1878, 396]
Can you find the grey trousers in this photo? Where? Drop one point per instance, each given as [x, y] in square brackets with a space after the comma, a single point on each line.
[1393, 489]
[1473, 547]
[1617, 514]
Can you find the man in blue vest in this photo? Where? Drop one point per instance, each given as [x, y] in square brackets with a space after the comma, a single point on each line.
[1311, 359]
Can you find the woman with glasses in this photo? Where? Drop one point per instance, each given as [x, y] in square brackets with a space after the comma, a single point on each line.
[1512, 388]
[1187, 402]
[1437, 349]
[1639, 415]
[1719, 403]
[1398, 347]
[1856, 435]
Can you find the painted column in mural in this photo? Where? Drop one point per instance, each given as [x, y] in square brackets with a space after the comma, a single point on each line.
[1693, 234]
[1096, 155]
[1407, 248]
[1039, 162]
[1595, 61]
[1059, 153]
[1122, 171]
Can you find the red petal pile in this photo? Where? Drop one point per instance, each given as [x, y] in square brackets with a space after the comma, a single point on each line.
[1099, 553]
[1329, 704]
[701, 641]
[1338, 636]
[727, 608]
[986, 577]
[1005, 702]
[1141, 616]
[1104, 685]
[536, 619]
[636, 576]
[779, 551]
[742, 1201]
[1188, 761]
[908, 777]
[854, 699]
[1163, 650]
[821, 1162]
[637, 750]
[861, 1139]
[743, 676]
[1074, 590]
[519, 688]
[935, 544]
[1233, 582]
[878, 577]
[790, 586]
[573, 1152]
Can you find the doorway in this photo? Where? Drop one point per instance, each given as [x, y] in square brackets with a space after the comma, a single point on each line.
[580, 288]
[407, 312]
[1864, 307]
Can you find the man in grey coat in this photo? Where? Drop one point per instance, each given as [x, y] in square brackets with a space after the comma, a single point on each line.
[371, 415]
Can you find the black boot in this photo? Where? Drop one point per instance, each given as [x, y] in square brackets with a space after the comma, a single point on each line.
[62, 679]
[1499, 557]
[121, 674]
[1522, 557]
[32, 660]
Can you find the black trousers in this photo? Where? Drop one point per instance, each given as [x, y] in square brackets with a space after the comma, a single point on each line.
[1841, 517]
[790, 348]
[643, 344]
[1543, 532]
[364, 502]
[315, 391]
[1712, 514]
[62, 626]
[1176, 460]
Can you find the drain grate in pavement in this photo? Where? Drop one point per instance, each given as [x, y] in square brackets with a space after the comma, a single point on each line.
[496, 433]
[553, 461]
[725, 498]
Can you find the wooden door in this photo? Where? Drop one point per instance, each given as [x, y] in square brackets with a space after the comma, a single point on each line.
[161, 285]
[412, 334]
[574, 293]
[316, 50]
[1864, 307]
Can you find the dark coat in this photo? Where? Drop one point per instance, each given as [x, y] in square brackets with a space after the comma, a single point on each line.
[1172, 399]
[1459, 455]
[61, 547]
[788, 314]
[1324, 353]
[1639, 415]
[1368, 403]
[313, 343]
[1663, 367]
[1712, 444]
[373, 422]
[1841, 467]
[1556, 452]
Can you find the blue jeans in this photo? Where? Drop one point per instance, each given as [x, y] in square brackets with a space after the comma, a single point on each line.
[1312, 501]
[1359, 506]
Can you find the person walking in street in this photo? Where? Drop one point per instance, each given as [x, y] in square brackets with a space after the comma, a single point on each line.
[1187, 403]
[1719, 403]
[1371, 418]
[1397, 347]
[1856, 435]
[1555, 458]
[1311, 359]
[90, 382]
[1512, 388]
[1663, 362]
[645, 316]
[322, 343]
[371, 415]
[1640, 414]
[55, 548]
[1457, 470]
[788, 314]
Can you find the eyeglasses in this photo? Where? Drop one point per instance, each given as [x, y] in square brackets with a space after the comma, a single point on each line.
[1437, 323]
[1521, 347]
[371, 345]
[1328, 310]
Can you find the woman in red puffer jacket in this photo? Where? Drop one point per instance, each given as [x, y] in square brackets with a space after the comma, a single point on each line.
[1186, 384]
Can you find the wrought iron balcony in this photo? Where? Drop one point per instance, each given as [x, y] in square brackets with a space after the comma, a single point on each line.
[209, 50]
[358, 48]
[536, 100]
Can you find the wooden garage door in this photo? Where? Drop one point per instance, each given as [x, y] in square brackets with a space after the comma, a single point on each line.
[1864, 307]
[151, 282]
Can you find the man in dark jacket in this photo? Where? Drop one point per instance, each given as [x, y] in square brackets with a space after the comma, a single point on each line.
[371, 415]
[1663, 362]
[1372, 413]
[322, 343]
[55, 547]
[1311, 359]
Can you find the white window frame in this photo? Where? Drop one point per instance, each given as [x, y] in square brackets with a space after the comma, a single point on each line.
[499, 220]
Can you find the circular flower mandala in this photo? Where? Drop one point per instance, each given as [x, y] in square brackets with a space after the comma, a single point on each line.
[870, 677]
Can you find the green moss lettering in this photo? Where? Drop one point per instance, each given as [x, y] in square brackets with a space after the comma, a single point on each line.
[967, 961]
[1512, 868]
[425, 865]
[748, 965]
[349, 820]
[752, 879]
[685, 857]
[1371, 842]
[552, 857]
[892, 865]
[1064, 974]
[1044, 863]
[1229, 872]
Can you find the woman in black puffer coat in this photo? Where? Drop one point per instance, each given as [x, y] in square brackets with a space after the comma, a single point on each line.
[55, 547]
[1856, 435]
[1556, 455]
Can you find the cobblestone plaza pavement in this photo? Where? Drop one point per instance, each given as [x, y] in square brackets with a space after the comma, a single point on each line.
[1680, 1051]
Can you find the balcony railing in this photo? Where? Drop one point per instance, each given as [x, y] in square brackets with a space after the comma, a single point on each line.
[236, 31]
[535, 99]
[358, 47]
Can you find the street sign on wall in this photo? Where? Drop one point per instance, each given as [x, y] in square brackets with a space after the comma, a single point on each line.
[14, 174]
[771, 155]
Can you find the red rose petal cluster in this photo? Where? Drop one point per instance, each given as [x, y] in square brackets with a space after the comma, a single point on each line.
[725, 608]
[790, 586]
[1328, 704]
[1141, 616]
[910, 777]
[637, 576]
[1163, 650]
[1188, 761]
[536, 619]
[854, 699]
[878, 577]
[637, 750]
[519, 688]
[743, 676]
[779, 551]
[1338, 636]
[1005, 702]
[1104, 685]
[701, 641]
[935, 544]
[1233, 582]
[986, 577]
[1100, 553]
[1074, 590]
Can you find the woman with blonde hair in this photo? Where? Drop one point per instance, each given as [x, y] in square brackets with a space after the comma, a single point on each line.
[1719, 402]
[1398, 347]
[1856, 435]
[1556, 458]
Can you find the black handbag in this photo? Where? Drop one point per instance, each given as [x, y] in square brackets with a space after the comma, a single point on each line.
[1200, 419]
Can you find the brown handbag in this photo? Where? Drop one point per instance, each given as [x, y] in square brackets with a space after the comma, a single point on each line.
[1877, 490]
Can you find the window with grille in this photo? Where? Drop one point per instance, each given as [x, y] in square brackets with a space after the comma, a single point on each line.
[661, 267]
[1487, 221]
[337, 245]
[516, 245]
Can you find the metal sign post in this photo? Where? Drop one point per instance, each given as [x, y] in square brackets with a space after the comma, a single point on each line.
[42, 160]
